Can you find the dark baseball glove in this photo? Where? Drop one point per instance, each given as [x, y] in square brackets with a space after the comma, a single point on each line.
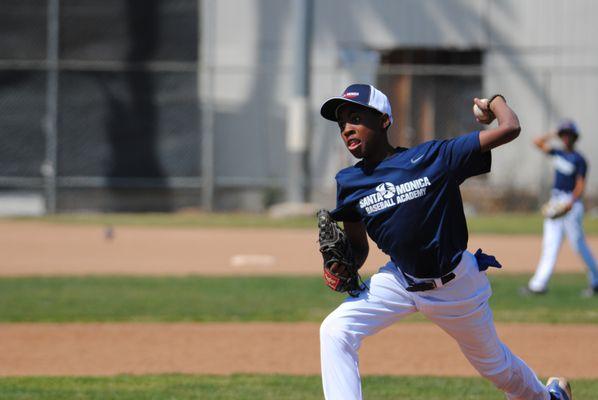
[340, 271]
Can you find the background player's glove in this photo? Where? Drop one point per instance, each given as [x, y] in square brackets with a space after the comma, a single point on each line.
[340, 272]
[555, 209]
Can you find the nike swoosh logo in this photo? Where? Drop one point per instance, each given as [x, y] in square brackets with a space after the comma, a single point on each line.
[414, 160]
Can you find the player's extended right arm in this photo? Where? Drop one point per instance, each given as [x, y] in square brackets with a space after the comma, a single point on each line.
[543, 142]
[508, 124]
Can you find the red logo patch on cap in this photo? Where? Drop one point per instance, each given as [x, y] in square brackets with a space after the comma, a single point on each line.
[350, 95]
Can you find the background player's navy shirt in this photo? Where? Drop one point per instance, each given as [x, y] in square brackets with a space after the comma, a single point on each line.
[411, 204]
[567, 166]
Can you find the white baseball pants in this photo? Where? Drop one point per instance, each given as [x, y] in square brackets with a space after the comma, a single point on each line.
[460, 308]
[571, 224]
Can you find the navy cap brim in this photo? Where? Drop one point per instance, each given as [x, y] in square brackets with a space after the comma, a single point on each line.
[330, 107]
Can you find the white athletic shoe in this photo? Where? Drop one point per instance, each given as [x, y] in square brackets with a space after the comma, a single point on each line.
[559, 388]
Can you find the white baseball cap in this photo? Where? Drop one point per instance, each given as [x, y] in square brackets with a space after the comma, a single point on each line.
[362, 94]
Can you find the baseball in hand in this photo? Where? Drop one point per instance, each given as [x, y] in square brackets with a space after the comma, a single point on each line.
[483, 115]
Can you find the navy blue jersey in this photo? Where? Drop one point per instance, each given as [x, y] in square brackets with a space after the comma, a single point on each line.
[568, 166]
[411, 203]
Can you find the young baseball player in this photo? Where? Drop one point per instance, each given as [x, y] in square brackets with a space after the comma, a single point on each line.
[408, 201]
[567, 191]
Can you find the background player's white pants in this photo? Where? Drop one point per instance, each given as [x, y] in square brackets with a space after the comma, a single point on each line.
[460, 308]
[570, 224]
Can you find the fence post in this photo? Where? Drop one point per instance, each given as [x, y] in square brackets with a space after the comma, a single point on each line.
[49, 167]
[298, 107]
[205, 93]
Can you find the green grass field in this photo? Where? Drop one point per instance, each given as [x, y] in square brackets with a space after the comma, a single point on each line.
[254, 387]
[511, 223]
[282, 299]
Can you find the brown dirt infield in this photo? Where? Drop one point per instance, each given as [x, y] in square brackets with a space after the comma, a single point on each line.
[217, 348]
[33, 248]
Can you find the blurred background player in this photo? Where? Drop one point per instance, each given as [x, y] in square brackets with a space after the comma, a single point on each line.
[569, 184]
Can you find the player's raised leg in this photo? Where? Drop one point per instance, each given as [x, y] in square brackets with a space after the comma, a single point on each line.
[342, 332]
[469, 321]
[477, 338]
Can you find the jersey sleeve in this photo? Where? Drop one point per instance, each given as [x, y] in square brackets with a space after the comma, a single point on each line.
[464, 158]
[345, 209]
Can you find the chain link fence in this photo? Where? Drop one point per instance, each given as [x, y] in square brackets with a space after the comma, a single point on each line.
[127, 114]
[128, 117]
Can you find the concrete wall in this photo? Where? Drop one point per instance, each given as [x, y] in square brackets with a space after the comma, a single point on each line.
[542, 56]
[539, 53]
